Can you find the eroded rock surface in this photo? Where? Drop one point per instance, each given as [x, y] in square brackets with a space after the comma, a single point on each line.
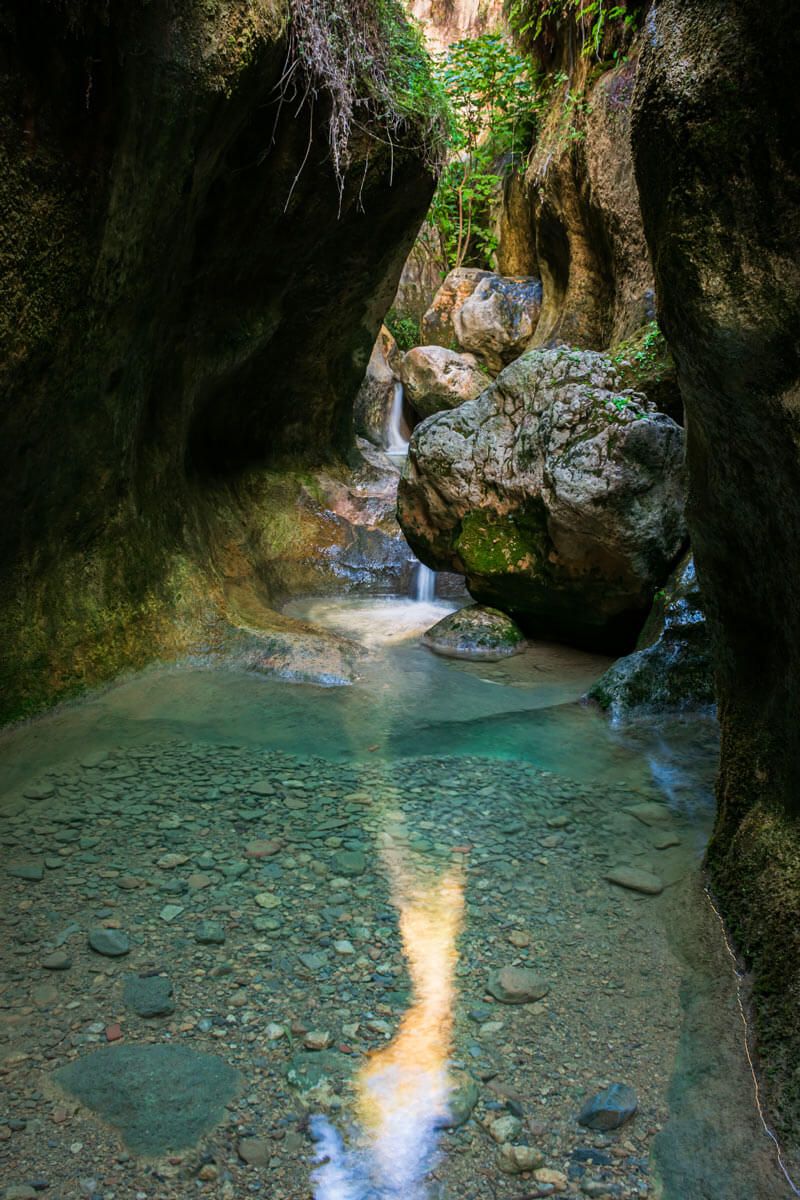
[436, 378]
[671, 667]
[559, 497]
[374, 398]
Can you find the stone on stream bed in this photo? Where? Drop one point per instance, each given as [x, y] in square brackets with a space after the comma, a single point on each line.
[517, 985]
[477, 633]
[609, 1109]
[462, 1100]
[513, 1160]
[110, 942]
[161, 1098]
[149, 995]
[636, 880]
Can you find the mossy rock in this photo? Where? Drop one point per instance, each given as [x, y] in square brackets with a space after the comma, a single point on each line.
[477, 633]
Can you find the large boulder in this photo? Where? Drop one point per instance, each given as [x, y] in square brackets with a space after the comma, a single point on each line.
[671, 669]
[492, 316]
[436, 378]
[497, 321]
[557, 495]
[476, 633]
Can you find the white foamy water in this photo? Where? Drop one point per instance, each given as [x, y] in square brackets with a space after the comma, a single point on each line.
[396, 440]
[423, 587]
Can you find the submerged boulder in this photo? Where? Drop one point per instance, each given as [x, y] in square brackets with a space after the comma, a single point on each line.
[477, 633]
[671, 667]
[436, 378]
[557, 495]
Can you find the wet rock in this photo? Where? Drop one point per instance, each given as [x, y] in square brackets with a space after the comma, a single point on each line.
[149, 996]
[32, 871]
[461, 1101]
[513, 1160]
[110, 942]
[558, 496]
[517, 985]
[437, 323]
[350, 863]
[476, 633]
[609, 1109]
[306, 658]
[209, 933]
[437, 378]
[161, 1098]
[505, 1129]
[256, 1152]
[671, 668]
[317, 1039]
[636, 880]
[20, 1191]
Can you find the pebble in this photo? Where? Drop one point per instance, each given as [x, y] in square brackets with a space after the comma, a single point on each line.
[209, 933]
[110, 942]
[505, 1129]
[513, 1160]
[609, 1109]
[170, 911]
[57, 961]
[517, 985]
[636, 880]
[268, 900]
[31, 871]
[148, 996]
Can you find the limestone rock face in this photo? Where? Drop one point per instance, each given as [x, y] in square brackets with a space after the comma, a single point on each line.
[374, 398]
[185, 300]
[437, 323]
[714, 138]
[498, 319]
[436, 378]
[557, 496]
[590, 244]
[670, 670]
[492, 316]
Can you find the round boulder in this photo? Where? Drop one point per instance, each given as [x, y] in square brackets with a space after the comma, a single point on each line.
[477, 633]
[436, 378]
[498, 320]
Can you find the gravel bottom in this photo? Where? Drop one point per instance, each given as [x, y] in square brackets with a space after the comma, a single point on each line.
[250, 883]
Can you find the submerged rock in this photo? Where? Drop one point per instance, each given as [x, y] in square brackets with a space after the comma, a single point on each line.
[671, 668]
[557, 494]
[517, 985]
[476, 632]
[609, 1109]
[306, 658]
[436, 378]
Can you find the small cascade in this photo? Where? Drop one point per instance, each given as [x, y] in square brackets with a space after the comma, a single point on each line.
[396, 441]
[423, 585]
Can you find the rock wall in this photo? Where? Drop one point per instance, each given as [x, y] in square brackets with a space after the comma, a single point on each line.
[715, 141]
[188, 298]
[448, 21]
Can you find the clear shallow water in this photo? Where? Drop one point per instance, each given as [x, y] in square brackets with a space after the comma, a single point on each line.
[698, 1121]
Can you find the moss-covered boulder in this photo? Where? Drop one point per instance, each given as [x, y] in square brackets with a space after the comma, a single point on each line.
[191, 294]
[671, 669]
[476, 633]
[557, 494]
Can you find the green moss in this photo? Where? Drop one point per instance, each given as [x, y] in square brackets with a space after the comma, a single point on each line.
[489, 544]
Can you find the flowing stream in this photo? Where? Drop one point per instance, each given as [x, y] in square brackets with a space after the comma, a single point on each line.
[329, 832]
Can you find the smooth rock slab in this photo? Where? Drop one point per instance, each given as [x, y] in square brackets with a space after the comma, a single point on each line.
[109, 942]
[609, 1109]
[517, 985]
[32, 871]
[636, 880]
[477, 633]
[161, 1098]
[150, 996]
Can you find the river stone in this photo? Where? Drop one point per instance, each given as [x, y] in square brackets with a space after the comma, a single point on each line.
[256, 1152]
[513, 1160]
[209, 933]
[636, 880]
[609, 1109]
[517, 985]
[476, 632]
[161, 1098]
[505, 1129]
[461, 1101]
[349, 863]
[33, 871]
[150, 996]
[110, 942]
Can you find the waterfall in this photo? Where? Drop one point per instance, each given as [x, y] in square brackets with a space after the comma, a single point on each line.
[396, 443]
[423, 584]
